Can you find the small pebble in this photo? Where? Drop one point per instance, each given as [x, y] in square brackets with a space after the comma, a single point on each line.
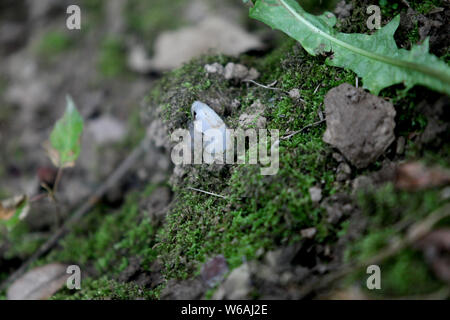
[343, 172]
[294, 94]
[316, 194]
[308, 233]
[214, 68]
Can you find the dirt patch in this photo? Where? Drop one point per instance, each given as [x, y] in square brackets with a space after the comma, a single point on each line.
[359, 124]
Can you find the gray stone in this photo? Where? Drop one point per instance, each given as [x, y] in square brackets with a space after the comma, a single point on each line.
[106, 129]
[214, 68]
[343, 10]
[157, 131]
[175, 289]
[253, 74]
[401, 142]
[247, 120]
[214, 34]
[39, 283]
[343, 172]
[362, 183]
[294, 94]
[338, 157]
[308, 233]
[237, 286]
[316, 194]
[359, 124]
[254, 117]
[235, 71]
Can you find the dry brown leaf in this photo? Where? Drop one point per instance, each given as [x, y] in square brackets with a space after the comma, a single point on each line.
[414, 176]
[9, 207]
[39, 283]
[6, 213]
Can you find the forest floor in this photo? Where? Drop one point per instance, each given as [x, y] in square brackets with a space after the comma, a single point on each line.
[309, 231]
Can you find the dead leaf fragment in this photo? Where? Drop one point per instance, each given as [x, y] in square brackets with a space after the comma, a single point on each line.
[414, 176]
[9, 207]
[39, 283]
[6, 213]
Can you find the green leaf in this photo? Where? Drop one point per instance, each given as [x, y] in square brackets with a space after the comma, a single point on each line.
[65, 138]
[375, 58]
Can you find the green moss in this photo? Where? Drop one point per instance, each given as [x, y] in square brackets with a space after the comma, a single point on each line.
[112, 58]
[390, 8]
[93, 6]
[406, 273]
[22, 243]
[106, 289]
[393, 8]
[260, 211]
[426, 6]
[176, 92]
[105, 237]
[92, 15]
[265, 212]
[387, 205]
[54, 43]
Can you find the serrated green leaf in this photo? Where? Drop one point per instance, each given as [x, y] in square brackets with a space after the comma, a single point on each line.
[375, 58]
[65, 137]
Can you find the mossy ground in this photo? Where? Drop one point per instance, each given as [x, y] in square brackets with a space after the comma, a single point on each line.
[54, 43]
[265, 212]
[103, 243]
[105, 288]
[112, 57]
[260, 212]
[387, 209]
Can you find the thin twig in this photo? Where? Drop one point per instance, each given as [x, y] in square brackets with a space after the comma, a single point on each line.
[304, 128]
[270, 87]
[57, 180]
[210, 193]
[82, 210]
[264, 86]
[38, 197]
[317, 88]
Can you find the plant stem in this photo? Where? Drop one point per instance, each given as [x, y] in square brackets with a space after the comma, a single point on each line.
[57, 180]
[38, 197]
